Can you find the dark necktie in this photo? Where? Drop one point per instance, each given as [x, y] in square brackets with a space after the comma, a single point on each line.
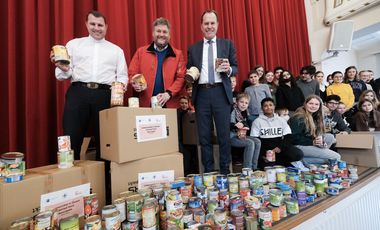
[211, 76]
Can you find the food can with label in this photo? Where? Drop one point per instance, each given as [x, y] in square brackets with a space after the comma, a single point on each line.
[126, 225]
[187, 217]
[265, 218]
[291, 206]
[270, 155]
[117, 93]
[199, 216]
[25, 223]
[43, 220]
[134, 207]
[111, 221]
[65, 159]
[149, 215]
[69, 223]
[154, 102]
[270, 174]
[221, 182]
[121, 207]
[91, 205]
[64, 143]
[61, 54]
[93, 223]
[208, 179]
[133, 102]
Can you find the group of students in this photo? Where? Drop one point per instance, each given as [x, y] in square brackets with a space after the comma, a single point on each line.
[297, 120]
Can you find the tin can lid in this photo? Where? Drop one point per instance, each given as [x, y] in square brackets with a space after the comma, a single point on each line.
[12, 156]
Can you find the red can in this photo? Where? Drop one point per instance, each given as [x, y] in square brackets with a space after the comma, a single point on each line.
[271, 156]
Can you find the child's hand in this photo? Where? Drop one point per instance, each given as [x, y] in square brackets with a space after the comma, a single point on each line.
[239, 125]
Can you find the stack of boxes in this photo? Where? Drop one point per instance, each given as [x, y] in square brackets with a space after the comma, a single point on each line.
[130, 155]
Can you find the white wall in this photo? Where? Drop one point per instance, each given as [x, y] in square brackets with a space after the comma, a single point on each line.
[319, 37]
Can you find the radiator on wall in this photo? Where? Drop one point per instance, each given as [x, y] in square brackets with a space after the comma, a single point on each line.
[360, 210]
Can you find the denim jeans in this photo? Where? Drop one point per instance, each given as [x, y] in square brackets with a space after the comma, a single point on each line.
[251, 150]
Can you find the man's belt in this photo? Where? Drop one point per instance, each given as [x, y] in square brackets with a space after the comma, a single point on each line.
[91, 85]
[208, 86]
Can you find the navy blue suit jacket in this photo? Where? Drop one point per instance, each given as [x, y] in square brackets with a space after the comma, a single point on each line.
[225, 49]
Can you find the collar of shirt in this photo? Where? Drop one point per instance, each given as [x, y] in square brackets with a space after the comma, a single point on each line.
[158, 49]
[95, 40]
[206, 41]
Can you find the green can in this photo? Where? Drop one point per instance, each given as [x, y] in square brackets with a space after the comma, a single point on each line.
[292, 206]
[212, 205]
[275, 197]
[69, 223]
[300, 186]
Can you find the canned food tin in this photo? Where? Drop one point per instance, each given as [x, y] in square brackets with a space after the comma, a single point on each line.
[197, 180]
[61, 54]
[14, 166]
[154, 102]
[309, 189]
[174, 205]
[43, 220]
[111, 221]
[213, 194]
[25, 223]
[199, 216]
[208, 179]
[187, 216]
[265, 218]
[134, 207]
[224, 198]
[319, 185]
[212, 205]
[71, 222]
[64, 143]
[233, 177]
[233, 187]
[292, 206]
[247, 172]
[243, 182]
[65, 159]
[275, 197]
[275, 213]
[220, 217]
[283, 212]
[251, 223]
[236, 203]
[121, 207]
[342, 164]
[108, 209]
[126, 225]
[270, 174]
[252, 202]
[91, 205]
[237, 218]
[93, 223]
[195, 202]
[244, 192]
[126, 194]
[148, 215]
[270, 155]
[300, 186]
[221, 182]
[133, 102]
[117, 93]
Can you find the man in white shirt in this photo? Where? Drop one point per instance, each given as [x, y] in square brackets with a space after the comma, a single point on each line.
[94, 64]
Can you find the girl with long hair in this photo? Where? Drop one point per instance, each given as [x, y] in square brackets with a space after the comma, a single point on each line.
[367, 118]
[308, 132]
[351, 78]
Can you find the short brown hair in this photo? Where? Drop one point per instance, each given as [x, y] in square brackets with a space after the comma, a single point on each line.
[161, 21]
[96, 14]
[209, 11]
[243, 95]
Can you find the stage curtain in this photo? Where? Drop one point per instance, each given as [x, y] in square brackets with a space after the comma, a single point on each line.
[268, 32]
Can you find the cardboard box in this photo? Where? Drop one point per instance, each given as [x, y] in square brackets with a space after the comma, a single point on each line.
[360, 148]
[190, 130]
[118, 134]
[124, 176]
[22, 199]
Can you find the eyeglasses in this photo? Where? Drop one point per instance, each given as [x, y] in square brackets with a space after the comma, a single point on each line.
[333, 103]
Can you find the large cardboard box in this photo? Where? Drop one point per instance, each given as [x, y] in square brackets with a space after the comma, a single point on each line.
[118, 138]
[190, 130]
[22, 199]
[360, 148]
[124, 176]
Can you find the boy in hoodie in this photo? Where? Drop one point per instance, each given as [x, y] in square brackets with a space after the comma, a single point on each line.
[275, 134]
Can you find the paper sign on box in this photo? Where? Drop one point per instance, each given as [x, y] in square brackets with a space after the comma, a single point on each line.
[149, 178]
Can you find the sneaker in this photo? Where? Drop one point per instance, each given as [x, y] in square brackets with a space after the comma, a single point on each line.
[300, 166]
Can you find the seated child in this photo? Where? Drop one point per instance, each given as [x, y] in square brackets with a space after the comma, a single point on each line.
[283, 112]
[239, 129]
[275, 136]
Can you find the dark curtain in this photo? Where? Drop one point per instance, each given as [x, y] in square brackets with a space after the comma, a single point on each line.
[268, 32]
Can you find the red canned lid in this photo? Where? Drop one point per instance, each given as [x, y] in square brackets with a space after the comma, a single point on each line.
[12, 155]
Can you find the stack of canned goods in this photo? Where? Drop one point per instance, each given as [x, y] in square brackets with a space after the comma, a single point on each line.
[65, 154]
[12, 167]
[214, 201]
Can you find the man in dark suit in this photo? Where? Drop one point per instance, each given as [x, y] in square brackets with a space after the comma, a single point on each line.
[212, 92]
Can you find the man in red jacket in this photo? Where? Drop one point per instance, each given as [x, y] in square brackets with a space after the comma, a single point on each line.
[163, 67]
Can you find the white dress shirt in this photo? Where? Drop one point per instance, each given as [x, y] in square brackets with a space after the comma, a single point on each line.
[204, 71]
[94, 60]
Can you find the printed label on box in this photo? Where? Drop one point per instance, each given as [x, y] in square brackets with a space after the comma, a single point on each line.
[149, 128]
[66, 202]
[150, 178]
